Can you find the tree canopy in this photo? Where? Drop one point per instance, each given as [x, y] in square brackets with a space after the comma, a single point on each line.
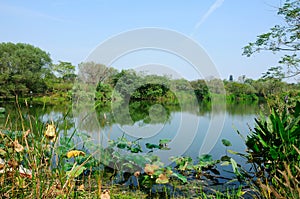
[63, 69]
[282, 38]
[23, 69]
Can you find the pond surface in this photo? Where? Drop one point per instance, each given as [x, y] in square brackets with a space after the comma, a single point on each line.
[191, 131]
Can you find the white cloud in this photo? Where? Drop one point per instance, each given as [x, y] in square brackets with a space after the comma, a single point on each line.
[212, 8]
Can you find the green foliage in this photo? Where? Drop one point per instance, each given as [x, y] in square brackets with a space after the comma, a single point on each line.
[103, 92]
[275, 140]
[201, 89]
[63, 69]
[226, 142]
[205, 167]
[240, 91]
[23, 68]
[27, 71]
[76, 171]
[282, 38]
[183, 163]
[205, 162]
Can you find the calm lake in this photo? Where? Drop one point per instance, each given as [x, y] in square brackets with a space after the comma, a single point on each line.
[185, 126]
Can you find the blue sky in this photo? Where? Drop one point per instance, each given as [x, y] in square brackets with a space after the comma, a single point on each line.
[70, 30]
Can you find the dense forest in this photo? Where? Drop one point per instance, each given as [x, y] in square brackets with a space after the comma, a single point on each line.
[28, 71]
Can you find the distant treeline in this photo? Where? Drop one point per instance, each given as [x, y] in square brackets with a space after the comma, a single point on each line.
[128, 84]
[27, 71]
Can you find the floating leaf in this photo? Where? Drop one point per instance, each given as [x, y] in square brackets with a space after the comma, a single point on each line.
[205, 158]
[138, 159]
[225, 158]
[225, 163]
[75, 153]
[164, 141]
[122, 145]
[163, 144]
[226, 142]
[135, 149]
[180, 177]
[151, 146]
[164, 148]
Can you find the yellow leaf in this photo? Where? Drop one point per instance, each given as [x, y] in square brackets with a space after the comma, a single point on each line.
[150, 169]
[162, 179]
[75, 153]
[137, 173]
[81, 188]
[18, 147]
[105, 194]
[26, 133]
[50, 132]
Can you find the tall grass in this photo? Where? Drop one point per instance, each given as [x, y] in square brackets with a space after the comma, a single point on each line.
[34, 166]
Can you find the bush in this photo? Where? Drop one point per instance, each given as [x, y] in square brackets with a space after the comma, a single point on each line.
[273, 144]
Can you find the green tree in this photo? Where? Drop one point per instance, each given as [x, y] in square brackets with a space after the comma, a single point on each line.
[201, 89]
[126, 82]
[240, 91]
[282, 38]
[103, 91]
[23, 69]
[63, 69]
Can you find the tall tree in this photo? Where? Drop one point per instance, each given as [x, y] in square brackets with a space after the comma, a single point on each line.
[93, 73]
[282, 38]
[23, 69]
[63, 69]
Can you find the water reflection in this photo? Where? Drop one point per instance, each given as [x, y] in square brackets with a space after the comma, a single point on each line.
[152, 122]
[184, 125]
[36, 113]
